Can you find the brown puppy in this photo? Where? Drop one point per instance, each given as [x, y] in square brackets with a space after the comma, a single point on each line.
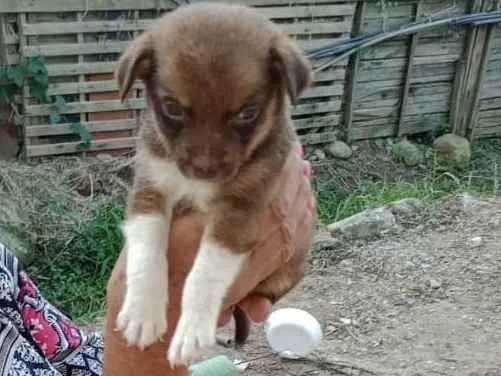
[216, 133]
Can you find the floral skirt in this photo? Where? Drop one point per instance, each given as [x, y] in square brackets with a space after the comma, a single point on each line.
[35, 337]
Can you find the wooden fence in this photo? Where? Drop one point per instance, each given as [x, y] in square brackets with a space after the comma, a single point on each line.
[407, 85]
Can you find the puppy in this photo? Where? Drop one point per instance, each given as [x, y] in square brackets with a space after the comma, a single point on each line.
[215, 135]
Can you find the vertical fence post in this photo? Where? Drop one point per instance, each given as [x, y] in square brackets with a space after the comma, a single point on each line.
[408, 74]
[352, 71]
[470, 73]
[3, 44]
[23, 41]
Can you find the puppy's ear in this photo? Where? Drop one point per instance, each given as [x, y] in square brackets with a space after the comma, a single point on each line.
[293, 67]
[135, 63]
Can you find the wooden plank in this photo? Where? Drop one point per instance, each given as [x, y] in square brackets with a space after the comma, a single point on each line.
[116, 47]
[274, 13]
[490, 103]
[464, 104]
[416, 92]
[317, 122]
[408, 74]
[96, 126]
[323, 91]
[98, 106]
[318, 138]
[354, 66]
[55, 70]
[74, 49]
[55, 28]
[398, 49]
[493, 113]
[421, 99]
[316, 108]
[139, 103]
[16, 6]
[111, 85]
[21, 21]
[308, 11]
[75, 147]
[384, 127]
[3, 40]
[414, 109]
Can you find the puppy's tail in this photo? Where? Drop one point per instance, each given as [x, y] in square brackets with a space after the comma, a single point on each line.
[242, 326]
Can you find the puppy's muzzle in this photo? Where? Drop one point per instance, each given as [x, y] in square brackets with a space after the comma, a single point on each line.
[204, 167]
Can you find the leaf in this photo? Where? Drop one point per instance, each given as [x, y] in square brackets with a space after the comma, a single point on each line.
[16, 74]
[84, 134]
[54, 118]
[41, 79]
[36, 66]
[3, 73]
[60, 103]
[39, 91]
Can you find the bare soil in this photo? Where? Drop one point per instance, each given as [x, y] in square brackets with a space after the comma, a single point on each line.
[424, 302]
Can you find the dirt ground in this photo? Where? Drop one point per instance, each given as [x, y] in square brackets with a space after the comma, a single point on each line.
[424, 302]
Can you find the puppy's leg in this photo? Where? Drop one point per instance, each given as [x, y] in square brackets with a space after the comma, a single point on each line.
[143, 317]
[221, 257]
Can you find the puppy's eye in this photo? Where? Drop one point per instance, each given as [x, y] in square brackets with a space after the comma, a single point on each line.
[248, 115]
[173, 110]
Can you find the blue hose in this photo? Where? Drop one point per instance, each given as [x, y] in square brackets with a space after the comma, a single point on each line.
[353, 44]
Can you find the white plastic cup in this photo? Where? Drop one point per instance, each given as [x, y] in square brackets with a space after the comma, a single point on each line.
[293, 333]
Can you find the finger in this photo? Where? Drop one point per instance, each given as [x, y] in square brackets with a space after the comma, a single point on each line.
[257, 307]
[225, 317]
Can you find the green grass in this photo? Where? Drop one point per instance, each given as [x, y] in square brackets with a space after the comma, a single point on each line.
[335, 204]
[73, 276]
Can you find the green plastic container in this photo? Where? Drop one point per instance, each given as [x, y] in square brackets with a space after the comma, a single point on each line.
[217, 366]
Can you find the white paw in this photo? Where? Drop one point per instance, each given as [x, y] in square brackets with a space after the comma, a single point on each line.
[195, 331]
[142, 321]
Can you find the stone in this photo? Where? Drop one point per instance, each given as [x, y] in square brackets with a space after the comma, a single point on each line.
[408, 153]
[340, 150]
[434, 284]
[453, 148]
[406, 208]
[476, 241]
[365, 225]
[324, 240]
[319, 154]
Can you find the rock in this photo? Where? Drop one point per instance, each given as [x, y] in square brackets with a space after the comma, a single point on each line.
[406, 208]
[324, 240]
[434, 284]
[319, 155]
[408, 153]
[367, 224]
[470, 204]
[476, 241]
[355, 148]
[453, 148]
[340, 150]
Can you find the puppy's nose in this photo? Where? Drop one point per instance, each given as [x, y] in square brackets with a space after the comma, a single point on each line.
[203, 167]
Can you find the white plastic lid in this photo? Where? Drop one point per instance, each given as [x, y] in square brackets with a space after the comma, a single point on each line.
[293, 333]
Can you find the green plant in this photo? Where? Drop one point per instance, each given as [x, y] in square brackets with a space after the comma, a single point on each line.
[32, 71]
[73, 276]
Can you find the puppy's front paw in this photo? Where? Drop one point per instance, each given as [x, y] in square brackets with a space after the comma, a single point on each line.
[142, 321]
[195, 331]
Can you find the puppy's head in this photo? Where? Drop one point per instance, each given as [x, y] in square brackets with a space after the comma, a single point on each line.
[216, 77]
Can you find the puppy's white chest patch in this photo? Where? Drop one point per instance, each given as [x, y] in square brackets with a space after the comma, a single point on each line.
[167, 175]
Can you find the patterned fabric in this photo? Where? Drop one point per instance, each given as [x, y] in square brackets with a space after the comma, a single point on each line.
[36, 339]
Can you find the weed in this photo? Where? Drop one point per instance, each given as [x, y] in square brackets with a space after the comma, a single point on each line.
[73, 276]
